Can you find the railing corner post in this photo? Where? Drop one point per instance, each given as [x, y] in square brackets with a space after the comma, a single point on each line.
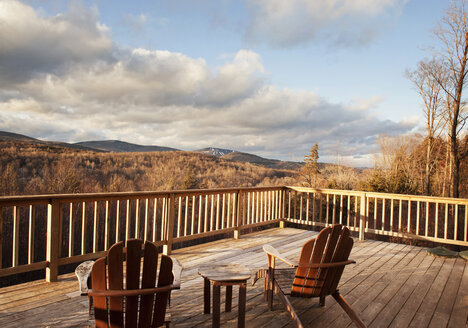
[362, 216]
[167, 248]
[282, 223]
[53, 242]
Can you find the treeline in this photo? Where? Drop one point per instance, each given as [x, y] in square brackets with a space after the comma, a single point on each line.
[28, 168]
[402, 167]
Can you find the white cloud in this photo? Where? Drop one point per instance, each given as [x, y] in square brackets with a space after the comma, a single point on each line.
[100, 91]
[31, 45]
[343, 22]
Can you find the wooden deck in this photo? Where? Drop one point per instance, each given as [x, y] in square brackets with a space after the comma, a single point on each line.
[392, 285]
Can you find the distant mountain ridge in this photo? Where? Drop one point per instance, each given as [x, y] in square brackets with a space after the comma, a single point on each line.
[122, 146]
[254, 159]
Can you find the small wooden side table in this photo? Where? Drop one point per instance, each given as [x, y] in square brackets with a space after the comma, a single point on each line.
[224, 275]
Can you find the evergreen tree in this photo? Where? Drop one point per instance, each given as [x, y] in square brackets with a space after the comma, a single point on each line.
[311, 170]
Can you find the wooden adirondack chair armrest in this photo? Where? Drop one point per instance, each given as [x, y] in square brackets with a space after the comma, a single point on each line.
[271, 251]
[176, 272]
[326, 265]
[130, 292]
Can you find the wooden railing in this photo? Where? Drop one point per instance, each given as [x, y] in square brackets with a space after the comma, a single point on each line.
[45, 232]
[436, 219]
[49, 231]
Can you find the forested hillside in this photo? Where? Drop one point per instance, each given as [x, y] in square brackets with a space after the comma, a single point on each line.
[31, 168]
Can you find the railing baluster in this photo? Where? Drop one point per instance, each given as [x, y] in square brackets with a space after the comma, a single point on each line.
[341, 209]
[328, 210]
[95, 227]
[83, 228]
[249, 205]
[409, 216]
[455, 226]
[155, 220]
[391, 216]
[179, 216]
[427, 219]
[436, 232]
[348, 210]
[15, 248]
[106, 227]
[145, 236]
[383, 215]
[217, 212]
[117, 221]
[186, 215]
[446, 221]
[192, 228]
[400, 218]
[206, 214]
[137, 219]
[32, 229]
[367, 212]
[199, 213]
[376, 209]
[127, 222]
[418, 204]
[465, 226]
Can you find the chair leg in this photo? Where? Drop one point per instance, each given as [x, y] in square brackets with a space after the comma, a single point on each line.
[287, 304]
[270, 289]
[348, 309]
[322, 301]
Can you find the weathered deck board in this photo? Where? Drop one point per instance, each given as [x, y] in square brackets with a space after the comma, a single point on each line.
[391, 285]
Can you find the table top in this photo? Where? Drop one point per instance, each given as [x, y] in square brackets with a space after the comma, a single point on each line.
[224, 272]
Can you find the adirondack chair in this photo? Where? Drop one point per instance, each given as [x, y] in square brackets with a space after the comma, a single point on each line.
[120, 301]
[317, 273]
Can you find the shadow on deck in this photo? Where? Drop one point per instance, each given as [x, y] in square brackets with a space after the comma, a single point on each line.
[392, 285]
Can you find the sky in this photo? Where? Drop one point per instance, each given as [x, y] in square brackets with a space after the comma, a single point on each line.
[268, 77]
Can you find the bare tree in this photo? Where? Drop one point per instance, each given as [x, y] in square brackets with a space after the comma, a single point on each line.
[453, 34]
[430, 91]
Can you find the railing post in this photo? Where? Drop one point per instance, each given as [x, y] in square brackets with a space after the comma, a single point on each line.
[53, 239]
[362, 216]
[167, 248]
[237, 207]
[282, 222]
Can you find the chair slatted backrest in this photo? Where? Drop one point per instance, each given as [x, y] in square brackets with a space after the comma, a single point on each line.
[139, 310]
[333, 244]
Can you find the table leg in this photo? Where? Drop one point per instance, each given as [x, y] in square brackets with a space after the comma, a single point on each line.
[242, 296]
[216, 305]
[206, 296]
[228, 298]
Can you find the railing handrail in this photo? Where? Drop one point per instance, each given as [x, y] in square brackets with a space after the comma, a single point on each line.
[380, 194]
[46, 198]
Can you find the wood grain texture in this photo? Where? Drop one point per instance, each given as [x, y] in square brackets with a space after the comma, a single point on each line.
[382, 273]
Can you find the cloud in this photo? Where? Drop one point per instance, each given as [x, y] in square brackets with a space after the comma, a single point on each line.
[340, 22]
[32, 45]
[165, 98]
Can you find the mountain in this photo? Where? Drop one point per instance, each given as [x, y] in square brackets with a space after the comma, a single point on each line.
[10, 136]
[218, 152]
[15, 137]
[266, 162]
[121, 146]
